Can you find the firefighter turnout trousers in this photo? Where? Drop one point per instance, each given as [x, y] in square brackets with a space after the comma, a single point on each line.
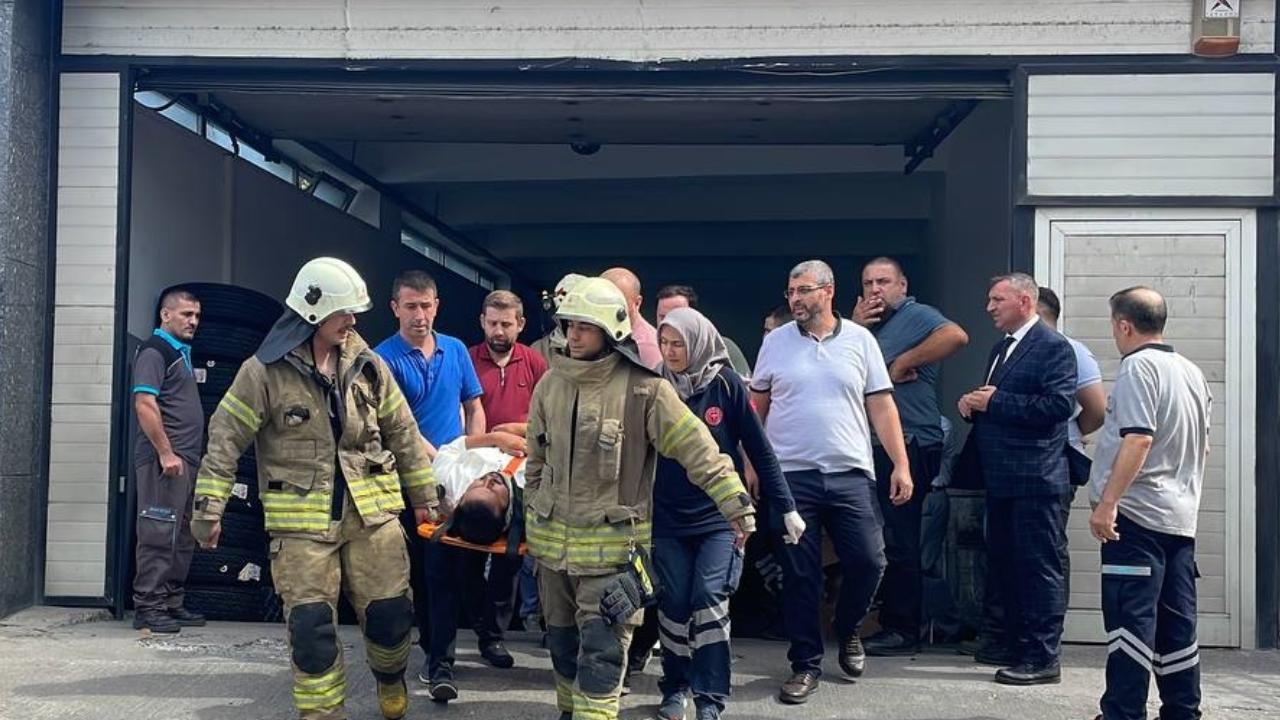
[372, 563]
[1149, 609]
[588, 656]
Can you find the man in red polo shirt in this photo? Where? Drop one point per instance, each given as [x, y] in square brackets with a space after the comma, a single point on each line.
[508, 370]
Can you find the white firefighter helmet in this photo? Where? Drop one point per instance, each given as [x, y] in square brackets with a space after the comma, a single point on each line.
[566, 284]
[325, 286]
[598, 302]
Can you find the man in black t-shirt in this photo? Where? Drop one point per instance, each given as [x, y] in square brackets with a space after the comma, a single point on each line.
[167, 454]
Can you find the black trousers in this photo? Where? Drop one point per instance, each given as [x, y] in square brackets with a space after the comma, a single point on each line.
[845, 505]
[1024, 566]
[447, 571]
[901, 590]
[418, 581]
[1149, 610]
[993, 627]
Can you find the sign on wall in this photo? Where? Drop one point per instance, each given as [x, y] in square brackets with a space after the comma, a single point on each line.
[1222, 8]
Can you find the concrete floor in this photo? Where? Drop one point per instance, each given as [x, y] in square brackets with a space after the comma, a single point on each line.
[67, 664]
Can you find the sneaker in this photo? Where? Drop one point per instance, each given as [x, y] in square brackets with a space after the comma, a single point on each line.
[532, 622]
[708, 712]
[186, 618]
[393, 700]
[157, 621]
[672, 706]
[442, 690]
[853, 659]
[496, 655]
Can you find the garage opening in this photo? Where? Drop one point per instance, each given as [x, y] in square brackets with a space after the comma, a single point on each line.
[721, 182]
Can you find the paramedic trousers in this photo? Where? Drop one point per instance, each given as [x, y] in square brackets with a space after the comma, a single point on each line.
[165, 544]
[902, 590]
[449, 572]
[588, 655]
[845, 505]
[1149, 610]
[698, 574]
[372, 564]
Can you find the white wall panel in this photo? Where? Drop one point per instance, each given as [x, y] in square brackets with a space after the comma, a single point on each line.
[1151, 135]
[83, 328]
[639, 30]
[1203, 266]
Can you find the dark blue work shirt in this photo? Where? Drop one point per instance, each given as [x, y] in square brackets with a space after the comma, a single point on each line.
[917, 401]
[435, 389]
[681, 508]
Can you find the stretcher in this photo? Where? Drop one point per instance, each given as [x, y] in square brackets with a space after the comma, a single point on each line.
[498, 547]
[438, 532]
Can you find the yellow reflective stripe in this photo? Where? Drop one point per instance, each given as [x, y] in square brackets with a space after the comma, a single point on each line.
[391, 402]
[319, 692]
[418, 478]
[387, 660]
[586, 707]
[564, 694]
[213, 487]
[677, 433]
[724, 488]
[240, 411]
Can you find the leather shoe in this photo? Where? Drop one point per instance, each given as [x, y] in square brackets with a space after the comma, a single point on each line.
[186, 618]
[853, 659]
[1025, 674]
[157, 621]
[995, 656]
[797, 689]
[496, 655]
[888, 643]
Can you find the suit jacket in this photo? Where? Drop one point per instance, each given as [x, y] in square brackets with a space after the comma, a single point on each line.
[1021, 435]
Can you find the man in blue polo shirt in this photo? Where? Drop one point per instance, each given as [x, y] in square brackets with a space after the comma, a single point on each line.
[440, 384]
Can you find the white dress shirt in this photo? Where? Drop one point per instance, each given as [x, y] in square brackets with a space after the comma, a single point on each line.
[1017, 338]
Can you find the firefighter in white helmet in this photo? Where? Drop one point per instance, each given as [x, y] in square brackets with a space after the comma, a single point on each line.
[336, 446]
[597, 422]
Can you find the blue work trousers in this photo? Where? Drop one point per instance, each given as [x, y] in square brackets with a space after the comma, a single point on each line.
[1149, 611]
[845, 505]
[698, 574]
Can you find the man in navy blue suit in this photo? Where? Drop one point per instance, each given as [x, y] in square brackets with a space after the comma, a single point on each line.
[1020, 416]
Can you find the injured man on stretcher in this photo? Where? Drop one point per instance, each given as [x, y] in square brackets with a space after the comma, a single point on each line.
[481, 483]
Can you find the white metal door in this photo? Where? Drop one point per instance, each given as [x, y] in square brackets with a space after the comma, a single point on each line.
[1203, 263]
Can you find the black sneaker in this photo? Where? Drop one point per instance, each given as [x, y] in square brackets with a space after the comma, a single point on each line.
[496, 655]
[157, 621]
[186, 618]
[443, 690]
[888, 643]
[853, 659]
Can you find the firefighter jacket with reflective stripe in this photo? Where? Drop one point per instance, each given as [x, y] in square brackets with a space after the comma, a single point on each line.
[283, 408]
[595, 431]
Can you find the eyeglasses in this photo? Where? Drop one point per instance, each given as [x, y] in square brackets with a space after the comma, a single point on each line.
[803, 290]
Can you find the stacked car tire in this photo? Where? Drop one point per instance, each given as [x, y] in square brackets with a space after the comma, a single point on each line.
[233, 581]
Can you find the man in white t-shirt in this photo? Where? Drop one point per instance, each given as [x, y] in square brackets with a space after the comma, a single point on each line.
[819, 385]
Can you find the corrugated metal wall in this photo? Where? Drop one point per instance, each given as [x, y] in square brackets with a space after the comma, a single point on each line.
[1193, 134]
[639, 30]
[84, 331]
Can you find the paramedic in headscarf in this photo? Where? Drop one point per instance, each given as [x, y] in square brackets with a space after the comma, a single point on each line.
[697, 557]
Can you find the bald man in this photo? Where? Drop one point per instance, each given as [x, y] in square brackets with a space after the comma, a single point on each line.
[645, 335]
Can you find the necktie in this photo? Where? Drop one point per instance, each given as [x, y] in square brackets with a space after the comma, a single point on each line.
[1001, 350]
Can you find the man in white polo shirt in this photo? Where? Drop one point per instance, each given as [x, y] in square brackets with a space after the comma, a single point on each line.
[1145, 491]
[817, 381]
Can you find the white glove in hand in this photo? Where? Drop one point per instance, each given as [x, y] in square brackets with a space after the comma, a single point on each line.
[795, 527]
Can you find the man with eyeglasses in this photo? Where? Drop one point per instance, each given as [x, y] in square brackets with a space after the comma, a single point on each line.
[817, 383]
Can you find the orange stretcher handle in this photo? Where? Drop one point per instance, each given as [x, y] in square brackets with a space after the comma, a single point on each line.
[498, 547]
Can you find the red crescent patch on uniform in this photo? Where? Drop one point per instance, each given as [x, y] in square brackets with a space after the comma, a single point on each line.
[713, 416]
